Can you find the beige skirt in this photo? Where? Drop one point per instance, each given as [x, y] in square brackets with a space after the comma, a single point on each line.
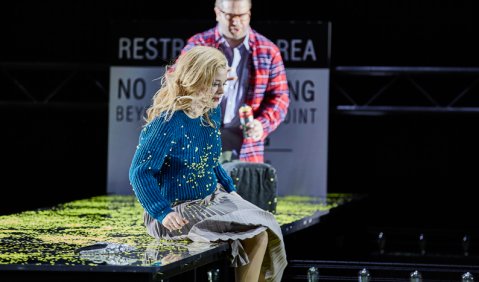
[225, 217]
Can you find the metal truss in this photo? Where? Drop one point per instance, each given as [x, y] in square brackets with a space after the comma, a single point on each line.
[46, 83]
[354, 89]
[382, 90]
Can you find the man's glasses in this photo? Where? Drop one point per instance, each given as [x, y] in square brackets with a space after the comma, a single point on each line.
[230, 16]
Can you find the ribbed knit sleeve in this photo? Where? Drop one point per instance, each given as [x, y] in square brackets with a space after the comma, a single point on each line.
[155, 142]
[224, 178]
[177, 161]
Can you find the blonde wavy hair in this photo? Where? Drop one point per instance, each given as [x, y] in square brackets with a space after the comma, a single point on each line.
[186, 84]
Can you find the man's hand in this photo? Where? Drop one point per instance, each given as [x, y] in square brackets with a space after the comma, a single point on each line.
[173, 221]
[255, 130]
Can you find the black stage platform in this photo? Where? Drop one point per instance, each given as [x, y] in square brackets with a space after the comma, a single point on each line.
[104, 238]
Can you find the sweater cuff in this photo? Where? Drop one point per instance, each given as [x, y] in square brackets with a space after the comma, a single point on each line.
[230, 189]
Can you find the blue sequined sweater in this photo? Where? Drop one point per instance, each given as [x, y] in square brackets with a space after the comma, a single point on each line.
[177, 160]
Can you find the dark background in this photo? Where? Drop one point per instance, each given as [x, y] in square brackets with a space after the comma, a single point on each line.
[366, 32]
[55, 56]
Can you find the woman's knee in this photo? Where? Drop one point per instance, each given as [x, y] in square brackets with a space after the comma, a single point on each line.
[262, 238]
[257, 241]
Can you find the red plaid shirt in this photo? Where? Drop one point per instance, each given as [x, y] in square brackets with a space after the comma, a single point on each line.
[268, 92]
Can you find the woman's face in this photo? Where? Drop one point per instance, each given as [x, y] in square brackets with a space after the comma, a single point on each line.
[217, 87]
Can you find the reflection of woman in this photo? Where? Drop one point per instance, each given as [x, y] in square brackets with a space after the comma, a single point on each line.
[108, 253]
[176, 176]
[162, 253]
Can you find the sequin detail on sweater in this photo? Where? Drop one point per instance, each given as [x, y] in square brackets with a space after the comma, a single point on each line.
[176, 161]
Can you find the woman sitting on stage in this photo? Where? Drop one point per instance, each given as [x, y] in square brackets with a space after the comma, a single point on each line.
[178, 180]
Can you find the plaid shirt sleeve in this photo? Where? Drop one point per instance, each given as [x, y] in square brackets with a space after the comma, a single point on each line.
[268, 94]
[275, 101]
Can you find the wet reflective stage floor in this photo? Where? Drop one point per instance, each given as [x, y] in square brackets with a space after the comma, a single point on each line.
[105, 235]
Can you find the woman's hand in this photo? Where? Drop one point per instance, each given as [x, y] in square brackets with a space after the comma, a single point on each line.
[174, 221]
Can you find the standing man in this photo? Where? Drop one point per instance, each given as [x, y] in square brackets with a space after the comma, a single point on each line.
[258, 79]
